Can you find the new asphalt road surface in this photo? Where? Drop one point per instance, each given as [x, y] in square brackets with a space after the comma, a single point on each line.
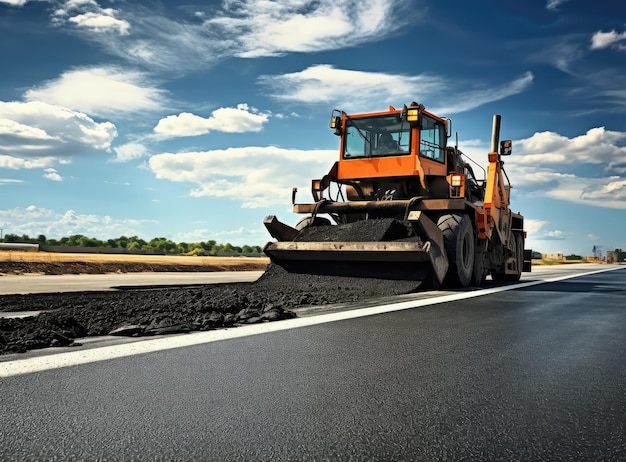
[533, 371]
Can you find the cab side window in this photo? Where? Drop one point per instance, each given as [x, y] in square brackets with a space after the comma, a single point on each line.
[432, 139]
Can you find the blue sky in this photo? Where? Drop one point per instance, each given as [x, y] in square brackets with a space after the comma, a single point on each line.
[193, 121]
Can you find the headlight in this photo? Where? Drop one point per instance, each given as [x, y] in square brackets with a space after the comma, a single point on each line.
[456, 180]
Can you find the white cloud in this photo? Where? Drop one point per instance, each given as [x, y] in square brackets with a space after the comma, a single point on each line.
[612, 39]
[596, 88]
[563, 52]
[466, 101]
[326, 84]
[226, 119]
[88, 14]
[4, 181]
[100, 91]
[585, 169]
[273, 28]
[556, 235]
[35, 130]
[52, 175]
[589, 191]
[101, 22]
[12, 128]
[255, 176]
[537, 232]
[532, 226]
[33, 220]
[129, 151]
[243, 28]
[614, 190]
[554, 4]
[17, 163]
[597, 146]
[352, 90]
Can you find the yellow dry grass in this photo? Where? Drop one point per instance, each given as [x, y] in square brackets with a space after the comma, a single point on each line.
[49, 257]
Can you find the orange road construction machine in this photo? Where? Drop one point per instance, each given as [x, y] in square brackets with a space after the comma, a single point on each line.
[400, 203]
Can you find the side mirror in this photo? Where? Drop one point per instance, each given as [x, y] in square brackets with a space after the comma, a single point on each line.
[506, 147]
[335, 122]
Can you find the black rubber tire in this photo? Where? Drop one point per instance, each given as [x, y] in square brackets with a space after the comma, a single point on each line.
[518, 244]
[480, 273]
[309, 221]
[459, 241]
[497, 276]
[519, 256]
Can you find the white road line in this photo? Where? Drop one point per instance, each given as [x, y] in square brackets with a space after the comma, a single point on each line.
[74, 358]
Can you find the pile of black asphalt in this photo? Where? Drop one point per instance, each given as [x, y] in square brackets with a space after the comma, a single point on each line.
[378, 230]
[64, 318]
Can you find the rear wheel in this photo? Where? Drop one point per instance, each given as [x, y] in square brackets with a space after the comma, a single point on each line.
[519, 256]
[480, 273]
[518, 245]
[458, 236]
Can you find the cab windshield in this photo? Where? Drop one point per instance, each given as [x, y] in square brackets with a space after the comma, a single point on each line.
[377, 136]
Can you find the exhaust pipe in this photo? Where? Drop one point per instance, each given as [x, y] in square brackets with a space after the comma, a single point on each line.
[495, 133]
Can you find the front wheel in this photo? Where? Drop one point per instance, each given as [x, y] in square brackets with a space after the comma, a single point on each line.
[458, 235]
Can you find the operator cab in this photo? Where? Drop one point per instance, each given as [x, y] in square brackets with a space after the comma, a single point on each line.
[400, 150]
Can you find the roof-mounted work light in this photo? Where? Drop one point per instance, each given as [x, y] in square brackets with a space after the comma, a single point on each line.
[412, 113]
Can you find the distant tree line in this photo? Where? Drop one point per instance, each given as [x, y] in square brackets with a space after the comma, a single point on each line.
[158, 245]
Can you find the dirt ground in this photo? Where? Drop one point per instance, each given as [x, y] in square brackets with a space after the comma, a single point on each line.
[67, 317]
[19, 262]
